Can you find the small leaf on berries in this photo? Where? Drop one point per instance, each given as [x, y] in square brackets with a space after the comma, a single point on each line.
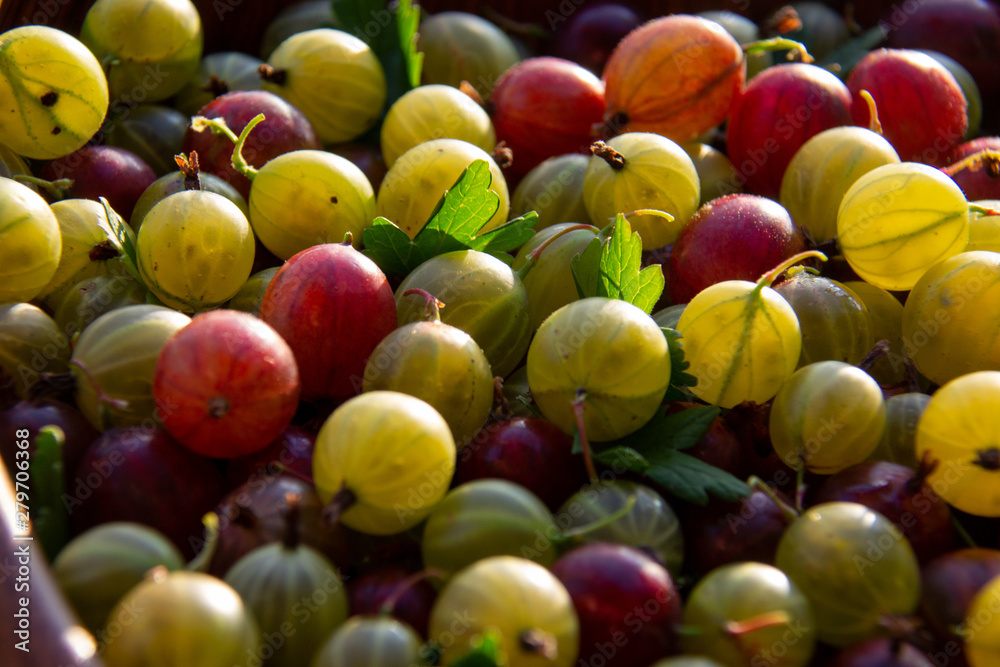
[654, 451]
[611, 266]
[512, 234]
[463, 211]
[693, 480]
[586, 266]
[681, 430]
[679, 379]
[623, 457]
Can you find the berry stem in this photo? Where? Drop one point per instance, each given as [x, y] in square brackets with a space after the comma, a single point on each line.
[581, 431]
[788, 512]
[473, 94]
[613, 125]
[880, 351]
[238, 161]
[290, 537]
[103, 400]
[784, 21]
[925, 467]
[532, 257]
[963, 533]
[342, 501]
[614, 159]
[215, 86]
[57, 190]
[911, 376]
[188, 164]
[501, 410]
[503, 155]
[432, 308]
[201, 562]
[983, 210]
[778, 44]
[103, 251]
[800, 483]
[987, 158]
[581, 531]
[272, 74]
[988, 459]
[214, 125]
[770, 619]
[649, 211]
[218, 406]
[874, 124]
[540, 643]
[772, 275]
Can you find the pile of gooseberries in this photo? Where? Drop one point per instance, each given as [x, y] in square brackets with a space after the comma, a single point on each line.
[417, 337]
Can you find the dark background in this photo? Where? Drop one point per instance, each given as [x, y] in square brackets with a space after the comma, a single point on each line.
[237, 25]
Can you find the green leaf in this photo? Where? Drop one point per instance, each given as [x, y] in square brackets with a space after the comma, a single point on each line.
[692, 479]
[49, 516]
[408, 21]
[391, 32]
[463, 210]
[586, 267]
[114, 227]
[487, 651]
[616, 272]
[679, 430]
[655, 452]
[391, 248]
[623, 457]
[508, 236]
[679, 379]
[689, 426]
[651, 285]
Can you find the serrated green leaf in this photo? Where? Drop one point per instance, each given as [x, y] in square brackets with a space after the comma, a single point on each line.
[462, 211]
[408, 21]
[389, 247]
[623, 457]
[689, 426]
[651, 285]
[611, 266]
[654, 451]
[49, 517]
[678, 364]
[619, 275]
[508, 236]
[679, 430]
[465, 208]
[586, 267]
[693, 480]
